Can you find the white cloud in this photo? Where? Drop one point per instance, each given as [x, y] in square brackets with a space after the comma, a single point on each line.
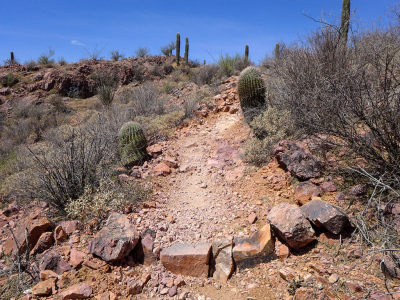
[75, 42]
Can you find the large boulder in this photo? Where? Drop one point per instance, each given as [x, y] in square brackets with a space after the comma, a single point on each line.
[28, 234]
[288, 221]
[325, 215]
[295, 158]
[114, 241]
[187, 259]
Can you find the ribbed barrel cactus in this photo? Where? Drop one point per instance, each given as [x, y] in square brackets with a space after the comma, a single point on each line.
[132, 144]
[251, 90]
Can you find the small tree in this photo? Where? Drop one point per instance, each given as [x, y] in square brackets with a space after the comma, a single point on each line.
[142, 52]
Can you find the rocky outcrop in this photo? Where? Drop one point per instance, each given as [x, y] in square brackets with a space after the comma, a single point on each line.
[114, 241]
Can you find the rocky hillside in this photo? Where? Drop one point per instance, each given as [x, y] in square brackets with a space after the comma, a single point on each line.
[213, 227]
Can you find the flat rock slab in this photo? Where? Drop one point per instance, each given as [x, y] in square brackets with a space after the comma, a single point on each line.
[77, 291]
[288, 221]
[187, 259]
[222, 265]
[325, 215]
[114, 241]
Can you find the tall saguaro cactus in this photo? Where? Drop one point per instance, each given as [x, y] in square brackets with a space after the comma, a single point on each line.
[178, 48]
[186, 50]
[344, 26]
[246, 52]
[12, 57]
[277, 51]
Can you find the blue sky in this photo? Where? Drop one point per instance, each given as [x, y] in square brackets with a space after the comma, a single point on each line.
[30, 27]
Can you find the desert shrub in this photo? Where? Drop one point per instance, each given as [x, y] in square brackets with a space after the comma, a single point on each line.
[168, 86]
[31, 65]
[270, 127]
[95, 54]
[350, 93]
[142, 51]
[97, 201]
[9, 80]
[205, 74]
[106, 85]
[227, 64]
[167, 68]
[160, 127]
[156, 71]
[146, 100]
[116, 55]
[167, 49]
[59, 104]
[242, 63]
[46, 58]
[72, 158]
[62, 61]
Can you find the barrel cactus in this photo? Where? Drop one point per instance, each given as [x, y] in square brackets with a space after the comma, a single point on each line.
[251, 90]
[132, 143]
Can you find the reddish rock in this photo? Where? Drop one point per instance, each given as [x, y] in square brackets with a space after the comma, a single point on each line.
[328, 186]
[52, 260]
[297, 160]
[354, 287]
[32, 228]
[340, 197]
[8, 246]
[222, 265]
[305, 294]
[170, 162]
[187, 259]
[286, 273]
[76, 257]
[11, 209]
[358, 190]
[260, 244]
[289, 223]
[44, 288]
[161, 170]
[172, 291]
[45, 241]
[46, 274]
[283, 252]
[325, 215]
[94, 263]
[133, 287]
[252, 218]
[61, 236]
[154, 150]
[116, 240]
[305, 190]
[70, 226]
[77, 291]
[389, 265]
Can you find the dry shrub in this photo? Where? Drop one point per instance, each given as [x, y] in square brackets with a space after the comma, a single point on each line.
[205, 75]
[270, 127]
[350, 93]
[106, 84]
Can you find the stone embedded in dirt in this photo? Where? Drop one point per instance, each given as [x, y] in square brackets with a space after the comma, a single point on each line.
[170, 162]
[44, 288]
[222, 265]
[116, 240]
[45, 241]
[295, 159]
[133, 287]
[154, 150]
[172, 291]
[286, 273]
[185, 168]
[358, 190]
[70, 226]
[340, 197]
[161, 170]
[304, 293]
[354, 287]
[333, 278]
[252, 218]
[52, 260]
[283, 252]
[46, 274]
[11, 209]
[304, 191]
[76, 258]
[94, 263]
[328, 186]
[31, 230]
[288, 221]
[60, 234]
[259, 245]
[187, 259]
[77, 291]
[324, 215]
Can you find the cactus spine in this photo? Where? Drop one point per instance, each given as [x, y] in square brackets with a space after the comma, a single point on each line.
[186, 50]
[132, 144]
[246, 52]
[251, 90]
[344, 26]
[178, 48]
[12, 57]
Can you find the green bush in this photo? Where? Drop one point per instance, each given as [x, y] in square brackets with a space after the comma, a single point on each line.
[46, 58]
[227, 64]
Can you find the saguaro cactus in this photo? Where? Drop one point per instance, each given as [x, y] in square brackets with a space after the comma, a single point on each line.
[132, 144]
[12, 57]
[246, 52]
[277, 51]
[344, 26]
[178, 48]
[186, 50]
